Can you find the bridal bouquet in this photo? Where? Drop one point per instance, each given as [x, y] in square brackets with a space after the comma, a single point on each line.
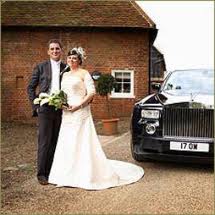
[55, 99]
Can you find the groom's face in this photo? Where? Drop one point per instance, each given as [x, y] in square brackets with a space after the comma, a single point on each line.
[55, 51]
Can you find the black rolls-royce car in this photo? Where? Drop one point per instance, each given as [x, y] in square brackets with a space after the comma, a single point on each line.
[177, 122]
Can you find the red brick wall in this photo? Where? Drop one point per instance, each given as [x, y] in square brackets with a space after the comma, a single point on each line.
[109, 49]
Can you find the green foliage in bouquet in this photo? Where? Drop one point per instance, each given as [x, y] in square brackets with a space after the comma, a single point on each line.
[58, 100]
[55, 99]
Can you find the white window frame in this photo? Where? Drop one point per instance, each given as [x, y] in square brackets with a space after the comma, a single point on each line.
[124, 95]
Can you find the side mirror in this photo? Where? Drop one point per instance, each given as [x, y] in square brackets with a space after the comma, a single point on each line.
[156, 86]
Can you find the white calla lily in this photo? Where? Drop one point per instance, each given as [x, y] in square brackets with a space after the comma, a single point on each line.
[44, 101]
[44, 95]
[37, 101]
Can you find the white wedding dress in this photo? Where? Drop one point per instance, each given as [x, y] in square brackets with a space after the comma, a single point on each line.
[79, 160]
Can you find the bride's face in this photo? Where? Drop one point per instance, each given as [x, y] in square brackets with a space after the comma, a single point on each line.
[73, 61]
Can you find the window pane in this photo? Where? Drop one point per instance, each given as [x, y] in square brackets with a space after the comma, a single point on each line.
[126, 88]
[126, 77]
[127, 80]
[118, 76]
[118, 88]
[119, 80]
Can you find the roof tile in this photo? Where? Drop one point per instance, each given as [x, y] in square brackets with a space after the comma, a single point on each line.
[121, 13]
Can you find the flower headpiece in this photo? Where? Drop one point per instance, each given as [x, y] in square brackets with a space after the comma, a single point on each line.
[79, 51]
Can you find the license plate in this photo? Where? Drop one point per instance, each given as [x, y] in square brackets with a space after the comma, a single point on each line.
[185, 146]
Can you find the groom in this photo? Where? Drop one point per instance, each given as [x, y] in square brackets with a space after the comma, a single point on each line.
[47, 76]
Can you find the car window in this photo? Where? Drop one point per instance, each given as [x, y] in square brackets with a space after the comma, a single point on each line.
[190, 81]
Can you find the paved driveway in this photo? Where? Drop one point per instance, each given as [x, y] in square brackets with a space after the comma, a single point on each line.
[166, 188]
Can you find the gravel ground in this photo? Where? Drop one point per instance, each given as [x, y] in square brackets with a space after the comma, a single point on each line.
[165, 188]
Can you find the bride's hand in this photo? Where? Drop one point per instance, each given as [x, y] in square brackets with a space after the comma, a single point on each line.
[73, 108]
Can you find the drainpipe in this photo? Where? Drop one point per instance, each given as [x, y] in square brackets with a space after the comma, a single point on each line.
[152, 35]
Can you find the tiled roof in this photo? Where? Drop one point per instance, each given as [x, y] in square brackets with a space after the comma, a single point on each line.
[91, 13]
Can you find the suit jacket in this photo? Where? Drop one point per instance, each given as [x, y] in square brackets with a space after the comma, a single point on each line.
[41, 77]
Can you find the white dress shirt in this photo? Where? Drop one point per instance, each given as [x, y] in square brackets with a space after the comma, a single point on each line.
[55, 81]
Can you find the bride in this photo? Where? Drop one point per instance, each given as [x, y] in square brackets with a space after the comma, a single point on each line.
[79, 160]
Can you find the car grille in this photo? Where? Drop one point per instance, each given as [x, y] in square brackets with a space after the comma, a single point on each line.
[184, 122]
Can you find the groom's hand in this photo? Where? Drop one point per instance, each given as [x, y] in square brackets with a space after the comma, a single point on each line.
[64, 107]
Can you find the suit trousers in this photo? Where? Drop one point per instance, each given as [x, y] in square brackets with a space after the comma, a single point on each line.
[49, 121]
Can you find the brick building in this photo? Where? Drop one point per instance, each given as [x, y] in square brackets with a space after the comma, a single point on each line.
[117, 36]
[157, 65]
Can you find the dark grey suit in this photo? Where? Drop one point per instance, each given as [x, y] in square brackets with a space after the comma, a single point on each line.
[49, 119]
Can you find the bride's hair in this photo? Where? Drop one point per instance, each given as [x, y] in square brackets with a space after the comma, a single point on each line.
[79, 52]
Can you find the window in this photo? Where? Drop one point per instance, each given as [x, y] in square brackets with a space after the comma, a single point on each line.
[124, 84]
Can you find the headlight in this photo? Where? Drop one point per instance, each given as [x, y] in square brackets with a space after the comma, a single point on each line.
[150, 128]
[150, 114]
